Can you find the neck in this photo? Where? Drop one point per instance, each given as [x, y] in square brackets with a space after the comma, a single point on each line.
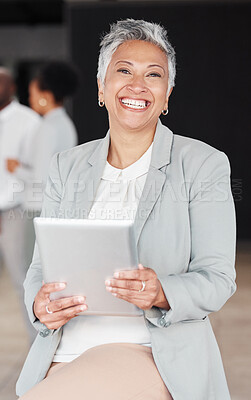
[5, 104]
[127, 147]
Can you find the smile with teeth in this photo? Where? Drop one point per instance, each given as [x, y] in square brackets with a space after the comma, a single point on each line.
[136, 104]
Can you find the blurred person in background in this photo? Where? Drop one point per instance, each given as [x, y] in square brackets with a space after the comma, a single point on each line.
[47, 91]
[55, 132]
[18, 125]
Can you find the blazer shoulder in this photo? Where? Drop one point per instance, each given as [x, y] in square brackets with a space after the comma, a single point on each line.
[82, 151]
[193, 155]
[188, 148]
[187, 144]
[76, 158]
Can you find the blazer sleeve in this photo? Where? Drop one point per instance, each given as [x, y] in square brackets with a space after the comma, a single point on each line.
[33, 281]
[210, 278]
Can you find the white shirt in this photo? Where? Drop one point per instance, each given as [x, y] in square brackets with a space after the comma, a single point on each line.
[18, 125]
[56, 133]
[117, 198]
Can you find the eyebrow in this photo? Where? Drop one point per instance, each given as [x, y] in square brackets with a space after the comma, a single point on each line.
[129, 63]
[122, 61]
[155, 65]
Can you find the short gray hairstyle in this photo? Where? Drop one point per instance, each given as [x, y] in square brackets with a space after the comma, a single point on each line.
[131, 29]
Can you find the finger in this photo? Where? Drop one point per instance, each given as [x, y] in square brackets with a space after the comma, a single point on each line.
[145, 302]
[61, 304]
[48, 288]
[123, 284]
[128, 294]
[136, 274]
[69, 313]
[140, 301]
[63, 315]
[58, 324]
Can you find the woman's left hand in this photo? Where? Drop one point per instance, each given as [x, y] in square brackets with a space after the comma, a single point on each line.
[127, 285]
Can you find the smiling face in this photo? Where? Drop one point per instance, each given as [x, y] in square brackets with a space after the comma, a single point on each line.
[136, 83]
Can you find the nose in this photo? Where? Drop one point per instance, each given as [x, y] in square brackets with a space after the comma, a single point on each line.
[137, 85]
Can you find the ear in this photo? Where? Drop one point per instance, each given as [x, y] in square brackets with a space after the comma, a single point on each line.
[167, 99]
[100, 90]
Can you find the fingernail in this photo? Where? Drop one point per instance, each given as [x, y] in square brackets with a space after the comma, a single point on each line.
[81, 299]
[114, 294]
[116, 274]
[109, 288]
[61, 285]
[82, 308]
[108, 283]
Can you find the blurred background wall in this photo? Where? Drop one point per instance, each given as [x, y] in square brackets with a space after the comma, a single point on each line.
[210, 101]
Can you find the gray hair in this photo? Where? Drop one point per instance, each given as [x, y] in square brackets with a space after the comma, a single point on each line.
[131, 29]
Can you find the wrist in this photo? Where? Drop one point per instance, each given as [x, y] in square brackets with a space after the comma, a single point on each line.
[161, 301]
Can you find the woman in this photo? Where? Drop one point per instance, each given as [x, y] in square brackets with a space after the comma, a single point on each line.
[53, 83]
[185, 230]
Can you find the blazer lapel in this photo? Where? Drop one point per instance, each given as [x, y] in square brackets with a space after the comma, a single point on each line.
[156, 176]
[90, 181]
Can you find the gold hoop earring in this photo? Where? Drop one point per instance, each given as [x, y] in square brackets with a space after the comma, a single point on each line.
[164, 112]
[101, 103]
[42, 102]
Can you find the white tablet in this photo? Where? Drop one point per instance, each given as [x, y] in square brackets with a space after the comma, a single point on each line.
[84, 253]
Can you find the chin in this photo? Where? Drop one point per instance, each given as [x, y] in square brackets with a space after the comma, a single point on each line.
[135, 124]
[133, 127]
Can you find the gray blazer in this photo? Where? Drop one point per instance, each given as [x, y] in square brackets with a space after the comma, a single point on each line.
[185, 231]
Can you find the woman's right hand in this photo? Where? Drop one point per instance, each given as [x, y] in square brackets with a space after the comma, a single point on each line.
[63, 310]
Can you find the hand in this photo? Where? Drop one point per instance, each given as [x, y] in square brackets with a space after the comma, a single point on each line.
[12, 165]
[126, 285]
[62, 309]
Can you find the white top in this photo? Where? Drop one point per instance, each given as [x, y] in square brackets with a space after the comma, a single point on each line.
[18, 125]
[117, 198]
[56, 133]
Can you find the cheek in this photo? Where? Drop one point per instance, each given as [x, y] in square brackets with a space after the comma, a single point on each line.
[33, 96]
[110, 94]
[160, 98]
[33, 100]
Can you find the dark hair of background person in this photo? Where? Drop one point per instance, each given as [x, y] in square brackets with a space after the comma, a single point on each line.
[60, 78]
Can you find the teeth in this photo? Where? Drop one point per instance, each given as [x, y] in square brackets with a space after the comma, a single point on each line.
[134, 103]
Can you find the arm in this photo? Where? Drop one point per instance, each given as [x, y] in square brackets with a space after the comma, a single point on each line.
[210, 279]
[24, 166]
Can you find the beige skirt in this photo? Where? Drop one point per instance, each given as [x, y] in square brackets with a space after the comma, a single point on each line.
[114, 371]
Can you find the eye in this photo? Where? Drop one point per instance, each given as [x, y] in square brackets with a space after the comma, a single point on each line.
[124, 71]
[154, 74]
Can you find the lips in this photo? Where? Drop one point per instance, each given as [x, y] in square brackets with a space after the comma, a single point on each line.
[134, 104]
